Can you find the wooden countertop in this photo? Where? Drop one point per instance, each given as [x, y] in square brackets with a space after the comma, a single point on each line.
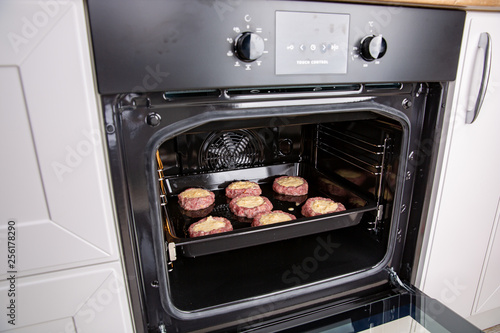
[487, 5]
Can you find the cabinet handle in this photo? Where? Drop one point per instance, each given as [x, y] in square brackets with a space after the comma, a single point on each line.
[474, 104]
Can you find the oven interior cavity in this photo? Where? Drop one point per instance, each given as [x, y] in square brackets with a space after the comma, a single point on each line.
[354, 163]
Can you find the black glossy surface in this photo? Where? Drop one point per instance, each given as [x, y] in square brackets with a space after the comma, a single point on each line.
[154, 45]
[430, 315]
[311, 43]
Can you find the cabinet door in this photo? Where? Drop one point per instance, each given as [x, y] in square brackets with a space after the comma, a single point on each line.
[53, 174]
[89, 299]
[488, 294]
[56, 220]
[469, 191]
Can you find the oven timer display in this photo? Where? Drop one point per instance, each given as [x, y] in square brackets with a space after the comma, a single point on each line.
[311, 43]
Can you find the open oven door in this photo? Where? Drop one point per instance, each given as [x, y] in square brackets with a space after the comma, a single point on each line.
[404, 309]
[248, 279]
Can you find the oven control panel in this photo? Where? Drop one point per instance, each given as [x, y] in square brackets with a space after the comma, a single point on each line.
[191, 45]
[311, 43]
[372, 47]
[249, 46]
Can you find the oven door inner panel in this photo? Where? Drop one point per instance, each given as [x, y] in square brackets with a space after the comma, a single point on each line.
[354, 162]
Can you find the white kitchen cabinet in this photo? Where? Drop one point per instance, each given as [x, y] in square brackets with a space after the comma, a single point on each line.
[54, 182]
[88, 299]
[55, 186]
[488, 296]
[461, 265]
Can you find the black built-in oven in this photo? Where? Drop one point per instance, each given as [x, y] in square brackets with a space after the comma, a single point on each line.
[204, 93]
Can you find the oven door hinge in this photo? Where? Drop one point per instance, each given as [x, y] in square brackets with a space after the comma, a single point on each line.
[396, 281]
[380, 212]
[131, 102]
[172, 253]
[162, 328]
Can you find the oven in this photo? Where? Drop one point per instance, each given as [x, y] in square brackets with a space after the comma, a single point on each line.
[200, 94]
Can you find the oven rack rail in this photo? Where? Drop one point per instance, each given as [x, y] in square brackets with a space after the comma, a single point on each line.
[363, 154]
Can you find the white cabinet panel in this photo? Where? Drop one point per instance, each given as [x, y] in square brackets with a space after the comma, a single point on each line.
[488, 296]
[65, 325]
[93, 297]
[54, 178]
[105, 310]
[57, 82]
[470, 182]
[39, 241]
[24, 24]
[56, 185]
[44, 244]
[21, 194]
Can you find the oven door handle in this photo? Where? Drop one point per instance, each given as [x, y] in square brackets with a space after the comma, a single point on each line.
[474, 104]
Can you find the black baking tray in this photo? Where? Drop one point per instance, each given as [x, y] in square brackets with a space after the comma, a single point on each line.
[243, 235]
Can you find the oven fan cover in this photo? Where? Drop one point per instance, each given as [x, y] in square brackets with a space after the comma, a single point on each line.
[231, 150]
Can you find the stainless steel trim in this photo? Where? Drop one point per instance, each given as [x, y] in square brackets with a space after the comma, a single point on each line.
[227, 94]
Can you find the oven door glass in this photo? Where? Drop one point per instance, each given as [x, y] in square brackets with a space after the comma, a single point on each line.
[404, 312]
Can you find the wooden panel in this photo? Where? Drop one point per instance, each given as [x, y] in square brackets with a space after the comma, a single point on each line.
[462, 4]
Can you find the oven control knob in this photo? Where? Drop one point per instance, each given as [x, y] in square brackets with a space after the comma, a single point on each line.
[373, 47]
[249, 46]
